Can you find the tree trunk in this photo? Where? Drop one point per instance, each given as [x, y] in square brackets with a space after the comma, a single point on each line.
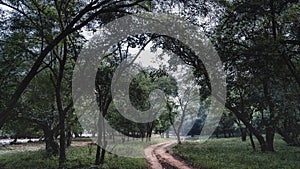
[15, 139]
[177, 133]
[103, 152]
[270, 133]
[97, 161]
[149, 131]
[69, 139]
[224, 133]
[167, 134]
[291, 140]
[255, 132]
[244, 134]
[251, 140]
[178, 138]
[76, 134]
[270, 126]
[99, 140]
[62, 140]
[52, 146]
[61, 111]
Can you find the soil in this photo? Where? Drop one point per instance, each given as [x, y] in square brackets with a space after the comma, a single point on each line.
[159, 156]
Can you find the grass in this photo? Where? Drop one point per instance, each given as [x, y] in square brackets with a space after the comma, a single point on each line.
[221, 153]
[232, 153]
[133, 148]
[78, 157]
[21, 148]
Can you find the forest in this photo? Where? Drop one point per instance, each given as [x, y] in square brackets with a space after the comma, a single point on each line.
[120, 76]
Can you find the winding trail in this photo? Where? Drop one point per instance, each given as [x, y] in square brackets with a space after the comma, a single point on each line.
[158, 156]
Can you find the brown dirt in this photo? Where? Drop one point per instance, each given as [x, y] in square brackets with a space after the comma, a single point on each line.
[159, 156]
[81, 143]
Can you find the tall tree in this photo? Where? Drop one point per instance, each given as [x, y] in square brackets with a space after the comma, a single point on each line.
[252, 43]
[74, 19]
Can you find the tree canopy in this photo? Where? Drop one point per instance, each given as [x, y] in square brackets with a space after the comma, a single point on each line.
[257, 41]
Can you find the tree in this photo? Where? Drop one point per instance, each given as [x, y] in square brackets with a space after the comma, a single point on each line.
[54, 25]
[39, 109]
[185, 105]
[226, 125]
[104, 98]
[253, 53]
[73, 21]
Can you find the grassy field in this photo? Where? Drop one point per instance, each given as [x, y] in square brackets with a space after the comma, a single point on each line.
[232, 153]
[229, 153]
[78, 157]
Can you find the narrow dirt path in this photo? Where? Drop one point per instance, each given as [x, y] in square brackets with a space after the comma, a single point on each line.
[158, 156]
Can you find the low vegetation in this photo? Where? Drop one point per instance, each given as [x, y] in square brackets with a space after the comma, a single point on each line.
[78, 157]
[31, 155]
[233, 153]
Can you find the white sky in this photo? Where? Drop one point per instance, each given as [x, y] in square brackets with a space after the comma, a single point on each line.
[5, 7]
[150, 59]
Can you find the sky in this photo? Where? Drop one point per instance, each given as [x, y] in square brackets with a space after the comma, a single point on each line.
[148, 58]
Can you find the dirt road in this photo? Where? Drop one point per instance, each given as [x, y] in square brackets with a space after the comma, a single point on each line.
[158, 156]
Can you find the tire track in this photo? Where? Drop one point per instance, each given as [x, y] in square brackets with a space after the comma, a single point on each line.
[158, 156]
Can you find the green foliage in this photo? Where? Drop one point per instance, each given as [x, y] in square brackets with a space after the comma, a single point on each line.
[18, 128]
[259, 51]
[233, 153]
[140, 88]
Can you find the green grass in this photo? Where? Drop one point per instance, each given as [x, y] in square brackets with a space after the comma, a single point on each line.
[215, 153]
[134, 148]
[232, 153]
[78, 157]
